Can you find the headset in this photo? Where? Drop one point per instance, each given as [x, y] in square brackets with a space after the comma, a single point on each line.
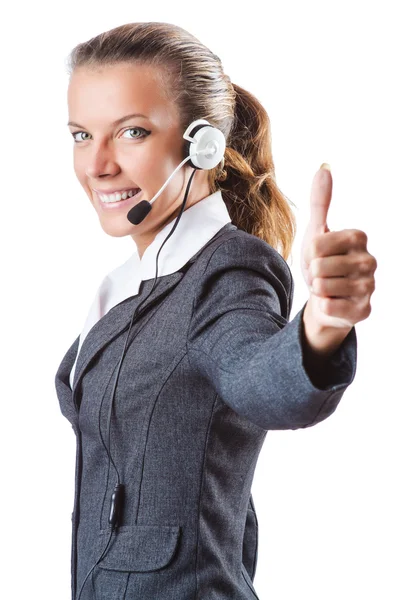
[204, 149]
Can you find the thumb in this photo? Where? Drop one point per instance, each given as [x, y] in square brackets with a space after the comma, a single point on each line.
[320, 199]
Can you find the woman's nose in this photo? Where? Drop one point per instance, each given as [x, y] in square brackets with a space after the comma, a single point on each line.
[102, 161]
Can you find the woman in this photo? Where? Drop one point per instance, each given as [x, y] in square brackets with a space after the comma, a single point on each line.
[171, 396]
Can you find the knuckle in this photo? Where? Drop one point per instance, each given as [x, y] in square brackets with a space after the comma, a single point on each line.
[358, 237]
[365, 265]
[364, 237]
[361, 287]
[367, 310]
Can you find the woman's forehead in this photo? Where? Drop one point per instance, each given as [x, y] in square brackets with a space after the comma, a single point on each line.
[115, 91]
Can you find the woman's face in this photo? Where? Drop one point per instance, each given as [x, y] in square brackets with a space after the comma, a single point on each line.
[113, 153]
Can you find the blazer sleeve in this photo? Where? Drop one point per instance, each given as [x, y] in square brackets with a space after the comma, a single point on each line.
[241, 341]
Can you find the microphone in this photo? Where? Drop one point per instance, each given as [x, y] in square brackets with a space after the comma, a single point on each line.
[138, 212]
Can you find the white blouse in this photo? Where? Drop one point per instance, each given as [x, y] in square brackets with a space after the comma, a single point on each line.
[197, 225]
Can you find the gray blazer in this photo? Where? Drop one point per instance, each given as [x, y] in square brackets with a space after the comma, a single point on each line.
[216, 364]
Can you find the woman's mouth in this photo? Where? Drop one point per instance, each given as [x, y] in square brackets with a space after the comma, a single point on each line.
[117, 204]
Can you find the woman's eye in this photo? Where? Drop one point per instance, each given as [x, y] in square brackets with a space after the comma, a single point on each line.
[136, 129]
[77, 133]
[130, 129]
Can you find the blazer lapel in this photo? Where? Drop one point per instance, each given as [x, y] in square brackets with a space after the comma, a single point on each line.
[62, 384]
[118, 320]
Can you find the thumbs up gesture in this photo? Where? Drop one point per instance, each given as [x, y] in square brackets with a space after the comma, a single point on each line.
[336, 265]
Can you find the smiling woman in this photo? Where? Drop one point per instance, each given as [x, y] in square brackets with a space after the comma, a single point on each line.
[110, 158]
[129, 104]
[163, 506]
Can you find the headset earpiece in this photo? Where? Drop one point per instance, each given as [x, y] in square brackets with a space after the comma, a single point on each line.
[205, 145]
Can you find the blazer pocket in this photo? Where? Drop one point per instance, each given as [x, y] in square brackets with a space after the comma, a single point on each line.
[139, 547]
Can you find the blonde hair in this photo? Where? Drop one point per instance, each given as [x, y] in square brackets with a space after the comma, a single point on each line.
[193, 78]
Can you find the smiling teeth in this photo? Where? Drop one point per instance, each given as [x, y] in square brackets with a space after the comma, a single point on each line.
[117, 196]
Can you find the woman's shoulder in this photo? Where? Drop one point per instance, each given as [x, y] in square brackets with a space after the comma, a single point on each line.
[249, 249]
[245, 267]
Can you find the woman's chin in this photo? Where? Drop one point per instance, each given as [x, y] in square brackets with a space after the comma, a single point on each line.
[117, 227]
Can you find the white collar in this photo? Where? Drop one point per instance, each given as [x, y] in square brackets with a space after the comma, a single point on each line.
[197, 225]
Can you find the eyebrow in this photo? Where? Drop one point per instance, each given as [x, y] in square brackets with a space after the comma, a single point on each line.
[133, 115]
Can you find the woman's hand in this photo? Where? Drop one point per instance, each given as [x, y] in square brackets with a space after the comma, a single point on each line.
[336, 265]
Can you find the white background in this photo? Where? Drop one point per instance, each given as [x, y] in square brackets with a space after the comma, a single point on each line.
[325, 72]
